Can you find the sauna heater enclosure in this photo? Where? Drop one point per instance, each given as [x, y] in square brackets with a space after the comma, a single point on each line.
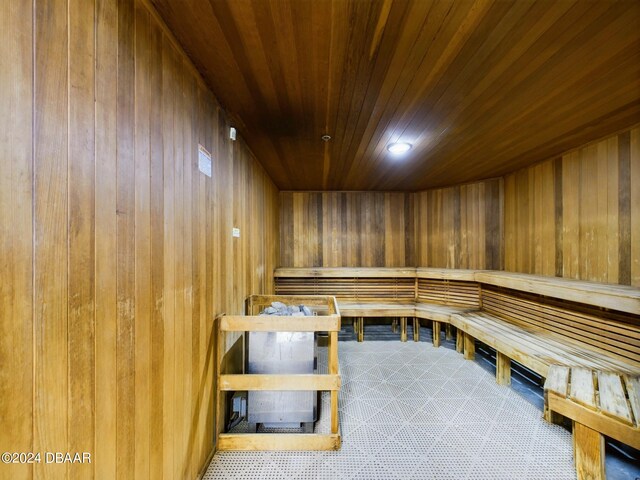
[282, 353]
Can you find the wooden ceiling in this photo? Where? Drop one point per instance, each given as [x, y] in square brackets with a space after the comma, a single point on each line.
[480, 88]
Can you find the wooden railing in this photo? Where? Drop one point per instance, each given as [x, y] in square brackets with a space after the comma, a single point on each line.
[326, 320]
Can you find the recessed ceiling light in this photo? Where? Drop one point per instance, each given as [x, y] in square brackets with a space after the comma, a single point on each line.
[325, 138]
[399, 148]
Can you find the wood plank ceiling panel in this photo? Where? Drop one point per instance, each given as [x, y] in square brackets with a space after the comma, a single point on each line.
[480, 88]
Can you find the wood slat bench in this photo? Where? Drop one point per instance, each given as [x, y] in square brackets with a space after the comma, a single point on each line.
[361, 292]
[523, 322]
[598, 403]
[543, 323]
[551, 325]
[441, 293]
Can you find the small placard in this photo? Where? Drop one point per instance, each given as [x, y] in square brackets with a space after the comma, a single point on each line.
[235, 232]
[204, 160]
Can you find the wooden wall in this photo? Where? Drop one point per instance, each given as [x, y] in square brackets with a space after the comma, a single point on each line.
[346, 229]
[460, 227]
[578, 216]
[116, 253]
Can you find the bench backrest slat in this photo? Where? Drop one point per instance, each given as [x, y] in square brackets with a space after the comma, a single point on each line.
[617, 334]
[448, 292]
[349, 288]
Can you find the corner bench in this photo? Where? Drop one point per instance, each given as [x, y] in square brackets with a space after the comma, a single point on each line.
[442, 293]
[543, 323]
[553, 325]
[431, 294]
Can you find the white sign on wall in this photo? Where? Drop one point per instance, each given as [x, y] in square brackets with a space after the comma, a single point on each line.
[204, 160]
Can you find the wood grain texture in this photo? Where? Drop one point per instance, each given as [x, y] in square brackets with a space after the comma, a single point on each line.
[346, 229]
[116, 251]
[460, 227]
[480, 88]
[593, 192]
[81, 241]
[16, 240]
[50, 232]
[106, 238]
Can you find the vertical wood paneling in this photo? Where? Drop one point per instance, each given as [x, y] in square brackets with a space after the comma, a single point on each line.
[142, 214]
[51, 143]
[461, 227]
[620, 164]
[125, 255]
[16, 244]
[105, 241]
[156, 191]
[534, 252]
[110, 287]
[634, 204]
[591, 234]
[168, 71]
[346, 229]
[81, 243]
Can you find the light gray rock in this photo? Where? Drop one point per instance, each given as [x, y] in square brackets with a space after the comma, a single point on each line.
[278, 305]
[279, 308]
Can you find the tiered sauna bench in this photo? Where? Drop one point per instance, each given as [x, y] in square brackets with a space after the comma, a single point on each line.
[540, 322]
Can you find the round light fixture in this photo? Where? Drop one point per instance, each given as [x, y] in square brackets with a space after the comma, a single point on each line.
[399, 148]
[325, 138]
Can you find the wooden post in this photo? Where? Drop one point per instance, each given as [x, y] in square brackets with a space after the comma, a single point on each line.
[459, 341]
[220, 400]
[360, 329]
[436, 334]
[394, 325]
[416, 329]
[503, 369]
[588, 451]
[448, 329]
[333, 370]
[355, 325]
[469, 347]
[403, 329]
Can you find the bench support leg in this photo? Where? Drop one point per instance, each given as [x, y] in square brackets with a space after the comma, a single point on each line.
[355, 325]
[448, 330]
[360, 329]
[436, 334]
[503, 369]
[459, 341]
[588, 452]
[416, 329]
[549, 415]
[394, 325]
[403, 329]
[469, 347]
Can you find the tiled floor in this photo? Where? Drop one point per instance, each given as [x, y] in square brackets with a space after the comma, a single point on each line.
[411, 411]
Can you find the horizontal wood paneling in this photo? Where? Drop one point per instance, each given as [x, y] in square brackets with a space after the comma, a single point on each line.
[346, 229]
[578, 216]
[116, 251]
[460, 227]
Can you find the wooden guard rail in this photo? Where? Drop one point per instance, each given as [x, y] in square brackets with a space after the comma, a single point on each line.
[327, 320]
